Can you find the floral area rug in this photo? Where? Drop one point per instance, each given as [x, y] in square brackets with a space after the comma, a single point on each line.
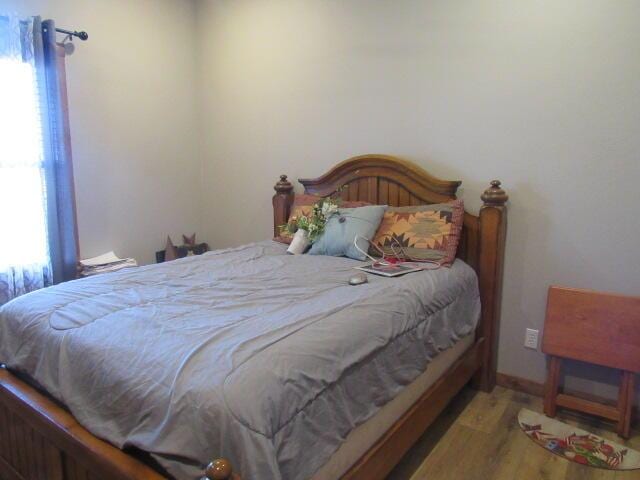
[577, 445]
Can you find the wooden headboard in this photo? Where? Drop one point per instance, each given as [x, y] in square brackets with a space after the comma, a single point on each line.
[387, 180]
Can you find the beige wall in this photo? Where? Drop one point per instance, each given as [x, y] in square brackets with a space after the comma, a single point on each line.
[544, 95]
[133, 120]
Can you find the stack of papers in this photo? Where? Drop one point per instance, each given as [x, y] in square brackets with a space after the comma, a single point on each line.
[107, 262]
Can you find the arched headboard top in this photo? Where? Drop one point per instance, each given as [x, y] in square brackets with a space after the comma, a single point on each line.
[382, 179]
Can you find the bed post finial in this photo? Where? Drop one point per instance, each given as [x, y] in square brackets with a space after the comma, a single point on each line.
[281, 203]
[494, 195]
[493, 227]
[219, 469]
[283, 185]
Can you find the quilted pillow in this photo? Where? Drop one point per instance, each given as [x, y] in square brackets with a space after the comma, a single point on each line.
[302, 205]
[342, 229]
[425, 232]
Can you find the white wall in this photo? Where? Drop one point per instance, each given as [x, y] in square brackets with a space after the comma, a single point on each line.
[544, 95]
[133, 120]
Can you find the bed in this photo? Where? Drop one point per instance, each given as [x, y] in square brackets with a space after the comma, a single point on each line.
[294, 375]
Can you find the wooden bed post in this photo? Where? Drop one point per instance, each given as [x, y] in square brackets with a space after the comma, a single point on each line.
[281, 203]
[493, 227]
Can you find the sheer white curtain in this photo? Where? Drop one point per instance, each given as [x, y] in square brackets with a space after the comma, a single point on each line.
[24, 254]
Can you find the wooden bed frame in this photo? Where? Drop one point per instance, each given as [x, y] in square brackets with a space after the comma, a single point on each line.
[41, 440]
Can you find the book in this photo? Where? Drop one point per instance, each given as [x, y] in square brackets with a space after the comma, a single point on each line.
[391, 270]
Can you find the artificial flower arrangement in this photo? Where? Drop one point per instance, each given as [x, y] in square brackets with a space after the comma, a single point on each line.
[306, 229]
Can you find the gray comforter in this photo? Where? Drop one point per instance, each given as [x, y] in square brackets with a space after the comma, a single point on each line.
[264, 358]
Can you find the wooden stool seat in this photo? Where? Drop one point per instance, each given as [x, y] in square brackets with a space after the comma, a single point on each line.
[598, 328]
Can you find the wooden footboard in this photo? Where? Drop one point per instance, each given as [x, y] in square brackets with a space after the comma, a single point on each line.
[26, 454]
[39, 440]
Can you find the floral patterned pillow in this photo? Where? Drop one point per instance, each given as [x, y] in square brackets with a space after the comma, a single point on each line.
[302, 205]
[423, 232]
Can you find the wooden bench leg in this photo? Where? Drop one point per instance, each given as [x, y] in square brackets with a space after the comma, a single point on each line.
[625, 403]
[551, 386]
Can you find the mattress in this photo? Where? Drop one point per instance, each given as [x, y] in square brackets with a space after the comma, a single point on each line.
[363, 437]
[246, 353]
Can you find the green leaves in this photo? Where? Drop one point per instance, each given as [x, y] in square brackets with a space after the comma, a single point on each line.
[314, 222]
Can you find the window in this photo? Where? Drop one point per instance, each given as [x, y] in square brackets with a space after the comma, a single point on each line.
[38, 228]
[23, 236]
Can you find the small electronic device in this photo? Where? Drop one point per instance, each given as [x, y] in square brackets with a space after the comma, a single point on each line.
[389, 269]
[358, 279]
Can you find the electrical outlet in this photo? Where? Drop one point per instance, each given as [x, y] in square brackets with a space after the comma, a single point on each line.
[531, 339]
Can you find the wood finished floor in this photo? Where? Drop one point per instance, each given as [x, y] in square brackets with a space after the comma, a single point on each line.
[478, 438]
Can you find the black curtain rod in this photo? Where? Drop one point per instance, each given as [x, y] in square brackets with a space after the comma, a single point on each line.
[80, 35]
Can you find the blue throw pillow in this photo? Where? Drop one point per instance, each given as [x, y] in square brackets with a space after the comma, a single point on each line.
[341, 229]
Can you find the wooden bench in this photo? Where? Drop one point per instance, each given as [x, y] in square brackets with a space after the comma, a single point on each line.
[597, 328]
